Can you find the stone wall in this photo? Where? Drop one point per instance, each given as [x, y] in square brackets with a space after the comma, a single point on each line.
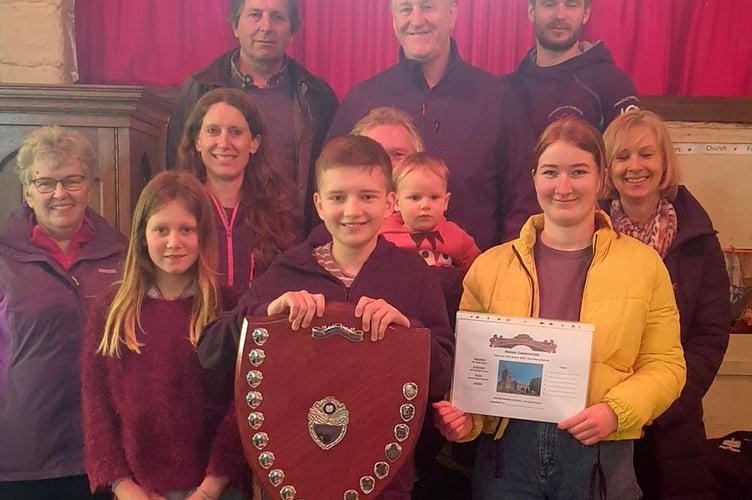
[37, 41]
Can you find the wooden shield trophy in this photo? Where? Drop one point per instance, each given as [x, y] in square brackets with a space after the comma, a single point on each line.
[325, 413]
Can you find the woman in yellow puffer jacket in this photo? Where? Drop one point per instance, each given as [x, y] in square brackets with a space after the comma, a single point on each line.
[569, 264]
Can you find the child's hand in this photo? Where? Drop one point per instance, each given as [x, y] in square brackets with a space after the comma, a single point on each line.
[453, 423]
[128, 489]
[592, 424]
[303, 305]
[377, 315]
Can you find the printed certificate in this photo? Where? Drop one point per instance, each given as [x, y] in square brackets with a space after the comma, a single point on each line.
[526, 368]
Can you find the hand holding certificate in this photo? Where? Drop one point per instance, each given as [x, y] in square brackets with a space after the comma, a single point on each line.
[526, 368]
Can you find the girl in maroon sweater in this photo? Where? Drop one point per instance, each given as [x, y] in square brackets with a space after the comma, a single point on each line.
[157, 425]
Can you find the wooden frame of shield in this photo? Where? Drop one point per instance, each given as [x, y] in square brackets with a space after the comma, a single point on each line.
[324, 412]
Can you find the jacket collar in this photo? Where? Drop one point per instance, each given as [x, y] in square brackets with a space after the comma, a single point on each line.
[14, 237]
[414, 68]
[246, 81]
[219, 74]
[602, 238]
[591, 54]
[693, 220]
[301, 256]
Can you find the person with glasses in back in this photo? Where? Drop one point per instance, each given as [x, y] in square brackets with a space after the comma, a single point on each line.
[56, 254]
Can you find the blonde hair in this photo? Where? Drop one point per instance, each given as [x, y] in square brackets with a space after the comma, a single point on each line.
[420, 162]
[618, 136]
[386, 115]
[124, 314]
[56, 146]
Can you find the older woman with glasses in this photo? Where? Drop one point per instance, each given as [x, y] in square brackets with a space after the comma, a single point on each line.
[56, 254]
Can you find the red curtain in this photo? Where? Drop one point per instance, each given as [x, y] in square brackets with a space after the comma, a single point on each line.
[688, 48]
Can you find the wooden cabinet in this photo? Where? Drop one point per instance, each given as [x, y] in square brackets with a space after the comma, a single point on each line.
[126, 126]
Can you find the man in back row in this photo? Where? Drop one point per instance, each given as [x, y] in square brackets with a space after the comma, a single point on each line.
[563, 76]
[460, 111]
[560, 77]
[297, 106]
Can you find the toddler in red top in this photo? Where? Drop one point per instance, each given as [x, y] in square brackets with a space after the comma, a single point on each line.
[418, 223]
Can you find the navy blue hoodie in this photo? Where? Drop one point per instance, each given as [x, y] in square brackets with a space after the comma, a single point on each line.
[588, 86]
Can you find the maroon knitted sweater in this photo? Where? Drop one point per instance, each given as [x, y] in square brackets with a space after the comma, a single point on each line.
[158, 416]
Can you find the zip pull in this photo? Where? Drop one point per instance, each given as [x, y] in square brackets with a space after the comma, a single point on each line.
[73, 278]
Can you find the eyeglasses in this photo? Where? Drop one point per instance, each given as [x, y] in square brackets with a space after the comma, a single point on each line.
[47, 185]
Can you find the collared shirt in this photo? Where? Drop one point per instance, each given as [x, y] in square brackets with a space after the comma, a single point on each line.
[246, 81]
[276, 104]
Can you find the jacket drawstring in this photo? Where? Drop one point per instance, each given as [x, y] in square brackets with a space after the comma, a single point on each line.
[597, 478]
[495, 452]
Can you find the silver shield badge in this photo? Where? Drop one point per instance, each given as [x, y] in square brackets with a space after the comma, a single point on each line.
[327, 422]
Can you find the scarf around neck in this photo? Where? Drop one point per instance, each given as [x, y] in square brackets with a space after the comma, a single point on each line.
[660, 230]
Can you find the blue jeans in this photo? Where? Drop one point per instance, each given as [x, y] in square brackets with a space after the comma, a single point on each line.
[535, 460]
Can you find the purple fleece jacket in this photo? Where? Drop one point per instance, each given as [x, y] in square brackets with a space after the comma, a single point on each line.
[43, 311]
